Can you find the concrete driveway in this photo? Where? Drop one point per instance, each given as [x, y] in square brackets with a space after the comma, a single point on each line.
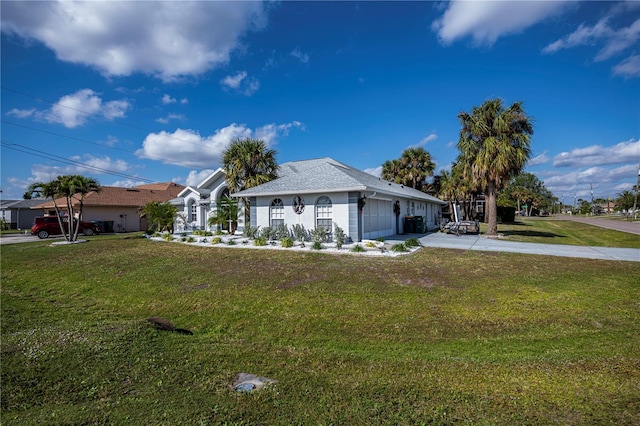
[482, 243]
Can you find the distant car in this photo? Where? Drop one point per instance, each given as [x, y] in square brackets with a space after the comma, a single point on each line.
[44, 226]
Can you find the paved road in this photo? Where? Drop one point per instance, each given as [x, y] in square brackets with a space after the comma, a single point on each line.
[618, 225]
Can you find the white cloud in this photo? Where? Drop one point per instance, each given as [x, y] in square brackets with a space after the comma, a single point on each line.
[579, 182]
[424, 141]
[375, 171]
[538, 159]
[184, 101]
[241, 83]
[166, 99]
[596, 155]
[169, 117]
[486, 21]
[298, 54]
[165, 39]
[77, 108]
[194, 178]
[630, 67]
[188, 148]
[22, 113]
[615, 41]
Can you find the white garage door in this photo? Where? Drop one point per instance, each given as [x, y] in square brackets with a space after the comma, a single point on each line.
[378, 219]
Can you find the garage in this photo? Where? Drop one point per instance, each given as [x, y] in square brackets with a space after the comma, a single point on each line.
[378, 218]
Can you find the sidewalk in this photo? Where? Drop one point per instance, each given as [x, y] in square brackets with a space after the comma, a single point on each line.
[478, 242]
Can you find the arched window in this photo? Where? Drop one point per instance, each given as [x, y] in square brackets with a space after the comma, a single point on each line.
[193, 211]
[324, 213]
[276, 212]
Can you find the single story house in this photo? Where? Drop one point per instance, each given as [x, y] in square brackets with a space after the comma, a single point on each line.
[118, 208]
[324, 192]
[17, 214]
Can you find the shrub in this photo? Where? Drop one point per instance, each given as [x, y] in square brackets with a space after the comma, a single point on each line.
[216, 240]
[286, 242]
[380, 239]
[300, 233]
[339, 236]
[400, 247]
[191, 240]
[282, 232]
[357, 248]
[250, 231]
[231, 243]
[260, 241]
[317, 245]
[370, 244]
[202, 233]
[412, 242]
[319, 234]
[167, 237]
[268, 233]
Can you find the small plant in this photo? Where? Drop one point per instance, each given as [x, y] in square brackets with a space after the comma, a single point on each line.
[399, 248]
[260, 241]
[231, 243]
[412, 242]
[191, 240]
[184, 234]
[282, 232]
[216, 240]
[268, 233]
[286, 242]
[183, 238]
[370, 244]
[250, 231]
[317, 245]
[319, 234]
[202, 233]
[300, 233]
[167, 237]
[357, 248]
[339, 237]
[157, 234]
[380, 239]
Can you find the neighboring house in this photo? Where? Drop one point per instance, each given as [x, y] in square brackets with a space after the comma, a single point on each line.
[324, 192]
[196, 204]
[17, 214]
[118, 208]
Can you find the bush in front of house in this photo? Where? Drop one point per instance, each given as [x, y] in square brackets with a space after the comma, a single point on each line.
[250, 231]
[412, 242]
[358, 249]
[399, 248]
[339, 237]
[260, 241]
[286, 242]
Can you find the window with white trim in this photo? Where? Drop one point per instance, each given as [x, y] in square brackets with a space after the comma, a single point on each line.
[194, 211]
[276, 212]
[324, 213]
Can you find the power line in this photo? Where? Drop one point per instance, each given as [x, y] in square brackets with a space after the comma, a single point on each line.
[46, 155]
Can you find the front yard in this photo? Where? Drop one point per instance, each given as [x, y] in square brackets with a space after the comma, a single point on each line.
[439, 336]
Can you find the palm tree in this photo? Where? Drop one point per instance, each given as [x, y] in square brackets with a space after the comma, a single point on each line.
[72, 188]
[411, 169]
[494, 146]
[248, 163]
[160, 216]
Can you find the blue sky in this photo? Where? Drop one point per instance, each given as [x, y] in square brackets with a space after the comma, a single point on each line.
[133, 92]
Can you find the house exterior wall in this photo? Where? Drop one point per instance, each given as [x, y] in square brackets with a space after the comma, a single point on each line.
[125, 219]
[340, 211]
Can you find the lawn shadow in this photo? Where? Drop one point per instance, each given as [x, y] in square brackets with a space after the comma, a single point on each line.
[527, 233]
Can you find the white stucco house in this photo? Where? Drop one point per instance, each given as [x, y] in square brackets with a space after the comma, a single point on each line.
[320, 192]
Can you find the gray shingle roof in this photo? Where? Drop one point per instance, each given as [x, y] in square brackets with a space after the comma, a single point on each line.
[328, 175]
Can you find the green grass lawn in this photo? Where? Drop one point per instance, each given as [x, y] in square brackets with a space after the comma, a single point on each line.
[435, 337]
[564, 232]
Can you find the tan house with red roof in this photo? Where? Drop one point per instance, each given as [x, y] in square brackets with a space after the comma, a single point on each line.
[118, 207]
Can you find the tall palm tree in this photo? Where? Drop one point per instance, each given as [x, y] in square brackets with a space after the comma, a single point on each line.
[248, 163]
[494, 146]
[72, 188]
[391, 170]
[411, 169]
